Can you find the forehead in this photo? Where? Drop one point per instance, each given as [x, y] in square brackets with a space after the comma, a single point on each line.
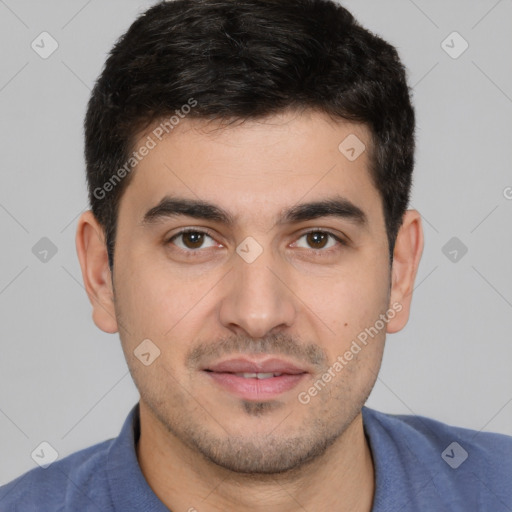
[254, 169]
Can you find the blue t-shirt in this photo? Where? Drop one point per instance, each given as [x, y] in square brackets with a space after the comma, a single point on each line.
[420, 465]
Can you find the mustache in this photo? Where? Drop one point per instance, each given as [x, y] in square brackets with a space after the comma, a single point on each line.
[277, 344]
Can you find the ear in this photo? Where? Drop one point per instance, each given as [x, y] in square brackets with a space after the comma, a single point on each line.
[406, 259]
[93, 256]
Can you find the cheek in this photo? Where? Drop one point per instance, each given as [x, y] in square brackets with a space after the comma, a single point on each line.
[158, 301]
[349, 301]
[141, 299]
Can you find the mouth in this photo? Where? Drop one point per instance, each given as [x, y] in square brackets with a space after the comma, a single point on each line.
[260, 376]
[256, 380]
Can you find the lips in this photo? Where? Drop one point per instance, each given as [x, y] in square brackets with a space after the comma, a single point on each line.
[256, 379]
[259, 375]
[242, 365]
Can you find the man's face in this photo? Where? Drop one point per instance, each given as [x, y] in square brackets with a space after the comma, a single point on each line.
[264, 295]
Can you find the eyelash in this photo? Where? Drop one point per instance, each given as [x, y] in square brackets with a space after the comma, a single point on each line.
[319, 252]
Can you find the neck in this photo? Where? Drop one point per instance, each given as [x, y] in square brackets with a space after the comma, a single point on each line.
[341, 479]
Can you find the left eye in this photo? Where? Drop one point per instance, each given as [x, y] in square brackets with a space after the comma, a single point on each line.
[318, 240]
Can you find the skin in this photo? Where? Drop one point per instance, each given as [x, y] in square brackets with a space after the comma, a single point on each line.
[201, 447]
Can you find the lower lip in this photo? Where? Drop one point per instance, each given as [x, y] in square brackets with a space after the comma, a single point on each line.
[256, 389]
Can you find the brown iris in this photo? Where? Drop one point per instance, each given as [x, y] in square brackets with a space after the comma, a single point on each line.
[317, 237]
[195, 239]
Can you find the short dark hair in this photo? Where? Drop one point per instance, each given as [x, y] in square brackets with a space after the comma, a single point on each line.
[247, 59]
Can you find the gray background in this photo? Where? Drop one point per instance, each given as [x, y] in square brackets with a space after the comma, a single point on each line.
[65, 382]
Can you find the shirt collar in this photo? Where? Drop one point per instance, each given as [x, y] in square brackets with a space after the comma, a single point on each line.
[128, 487]
[400, 477]
[130, 490]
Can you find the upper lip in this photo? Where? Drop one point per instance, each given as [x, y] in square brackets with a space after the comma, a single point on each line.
[247, 365]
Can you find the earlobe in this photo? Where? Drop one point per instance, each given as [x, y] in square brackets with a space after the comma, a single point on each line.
[406, 259]
[93, 257]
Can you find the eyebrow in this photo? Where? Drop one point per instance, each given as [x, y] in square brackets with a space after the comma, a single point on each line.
[336, 206]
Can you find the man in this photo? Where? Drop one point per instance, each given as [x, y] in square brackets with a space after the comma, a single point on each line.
[249, 167]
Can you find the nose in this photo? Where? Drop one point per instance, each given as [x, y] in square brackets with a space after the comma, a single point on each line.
[258, 297]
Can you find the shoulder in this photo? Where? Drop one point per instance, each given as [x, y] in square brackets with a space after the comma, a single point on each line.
[431, 433]
[79, 478]
[467, 465]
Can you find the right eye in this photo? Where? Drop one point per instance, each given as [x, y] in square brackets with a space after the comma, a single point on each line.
[190, 240]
